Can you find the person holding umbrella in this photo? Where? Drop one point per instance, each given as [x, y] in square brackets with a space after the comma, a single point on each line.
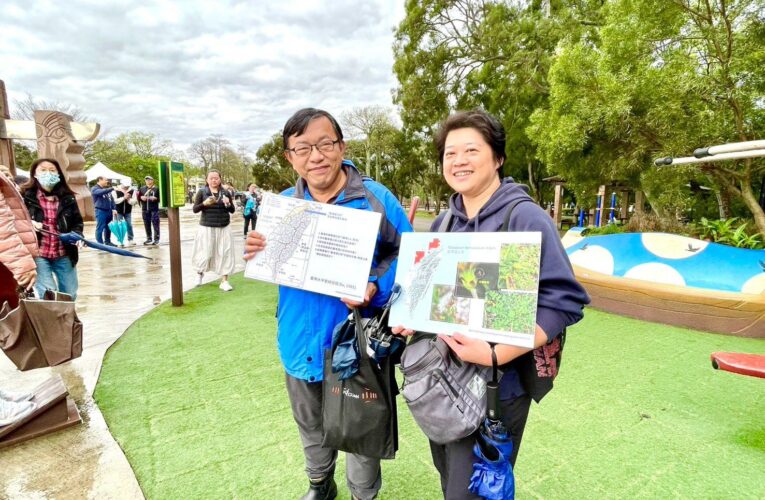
[53, 209]
[124, 199]
[471, 150]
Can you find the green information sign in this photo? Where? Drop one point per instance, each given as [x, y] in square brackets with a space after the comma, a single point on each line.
[172, 187]
[177, 185]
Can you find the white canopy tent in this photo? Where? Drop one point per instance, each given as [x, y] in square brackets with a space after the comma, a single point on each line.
[101, 170]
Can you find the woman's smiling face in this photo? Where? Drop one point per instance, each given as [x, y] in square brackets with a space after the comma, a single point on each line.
[469, 165]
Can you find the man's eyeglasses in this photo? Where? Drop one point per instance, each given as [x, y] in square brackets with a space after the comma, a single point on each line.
[304, 150]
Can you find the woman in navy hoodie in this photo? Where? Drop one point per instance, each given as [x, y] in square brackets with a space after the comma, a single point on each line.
[471, 149]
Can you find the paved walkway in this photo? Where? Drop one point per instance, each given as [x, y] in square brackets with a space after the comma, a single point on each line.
[84, 461]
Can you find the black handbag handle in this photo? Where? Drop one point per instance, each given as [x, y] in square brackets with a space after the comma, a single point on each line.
[362, 344]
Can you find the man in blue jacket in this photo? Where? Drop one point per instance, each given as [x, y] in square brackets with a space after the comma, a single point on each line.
[314, 146]
[105, 209]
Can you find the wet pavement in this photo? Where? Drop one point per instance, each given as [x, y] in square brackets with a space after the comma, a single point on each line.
[84, 461]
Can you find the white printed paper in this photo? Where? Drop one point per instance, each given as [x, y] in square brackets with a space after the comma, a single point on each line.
[314, 246]
[483, 285]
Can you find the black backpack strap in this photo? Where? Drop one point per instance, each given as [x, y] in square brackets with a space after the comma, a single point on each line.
[510, 208]
[446, 222]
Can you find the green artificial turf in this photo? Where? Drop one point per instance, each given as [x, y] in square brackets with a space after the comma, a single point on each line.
[195, 396]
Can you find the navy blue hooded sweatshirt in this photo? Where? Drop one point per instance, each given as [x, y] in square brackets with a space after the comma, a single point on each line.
[561, 297]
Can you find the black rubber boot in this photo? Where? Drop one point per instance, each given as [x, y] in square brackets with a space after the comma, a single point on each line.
[323, 490]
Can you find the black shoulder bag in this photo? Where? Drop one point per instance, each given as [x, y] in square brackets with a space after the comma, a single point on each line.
[359, 413]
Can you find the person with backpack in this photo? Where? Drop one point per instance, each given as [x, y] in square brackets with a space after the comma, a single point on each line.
[314, 146]
[251, 207]
[471, 150]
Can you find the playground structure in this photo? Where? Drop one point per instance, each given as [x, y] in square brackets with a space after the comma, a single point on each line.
[618, 210]
[673, 279]
[57, 137]
[677, 280]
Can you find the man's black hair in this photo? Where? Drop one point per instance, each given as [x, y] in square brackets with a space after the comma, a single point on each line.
[298, 122]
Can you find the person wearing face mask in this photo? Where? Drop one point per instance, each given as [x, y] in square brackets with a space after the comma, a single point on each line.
[53, 209]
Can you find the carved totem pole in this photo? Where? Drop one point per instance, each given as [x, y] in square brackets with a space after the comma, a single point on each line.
[56, 140]
[58, 137]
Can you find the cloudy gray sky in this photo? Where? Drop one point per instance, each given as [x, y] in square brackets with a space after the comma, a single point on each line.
[186, 70]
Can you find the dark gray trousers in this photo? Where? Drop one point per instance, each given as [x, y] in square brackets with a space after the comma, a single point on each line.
[362, 473]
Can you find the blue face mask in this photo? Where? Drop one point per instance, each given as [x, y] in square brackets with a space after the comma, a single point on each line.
[48, 180]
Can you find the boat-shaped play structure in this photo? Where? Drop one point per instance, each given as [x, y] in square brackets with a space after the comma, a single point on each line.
[673, 279]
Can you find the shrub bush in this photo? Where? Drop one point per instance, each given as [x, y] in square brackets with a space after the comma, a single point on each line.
[651, 223]
[607, 229]
[732, 231]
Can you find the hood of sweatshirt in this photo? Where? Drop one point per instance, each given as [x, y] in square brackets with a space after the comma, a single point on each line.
[491, 216]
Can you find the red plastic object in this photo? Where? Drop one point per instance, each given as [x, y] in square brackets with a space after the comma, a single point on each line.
[413, 209]
[737, 362]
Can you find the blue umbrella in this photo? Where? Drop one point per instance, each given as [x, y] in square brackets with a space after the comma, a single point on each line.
[72, 238]
[119, 230]
[493, 473]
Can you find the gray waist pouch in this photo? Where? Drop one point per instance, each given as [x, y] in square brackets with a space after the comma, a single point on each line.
[447, 397]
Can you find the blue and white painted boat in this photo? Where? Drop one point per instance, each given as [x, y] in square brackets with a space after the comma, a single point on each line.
[673, 279]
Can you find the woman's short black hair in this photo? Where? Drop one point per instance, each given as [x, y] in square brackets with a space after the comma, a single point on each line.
[60, 189]
[487, 125]
[214, 171]
[298, 122]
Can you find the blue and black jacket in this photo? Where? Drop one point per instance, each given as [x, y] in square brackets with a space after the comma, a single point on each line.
[102, 198]
[306, 319]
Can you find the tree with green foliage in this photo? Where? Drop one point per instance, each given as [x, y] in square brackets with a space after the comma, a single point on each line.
[218, 153]
[373, 128]
[662, 77]
[23, 155]
[135, 154]
[462, 54]
[271, 169]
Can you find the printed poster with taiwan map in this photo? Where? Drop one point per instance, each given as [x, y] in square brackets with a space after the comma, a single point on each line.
[483, 285]
[314, 246]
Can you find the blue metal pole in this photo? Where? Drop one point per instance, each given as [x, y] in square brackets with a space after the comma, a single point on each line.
[597, 211]
[611, 217]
